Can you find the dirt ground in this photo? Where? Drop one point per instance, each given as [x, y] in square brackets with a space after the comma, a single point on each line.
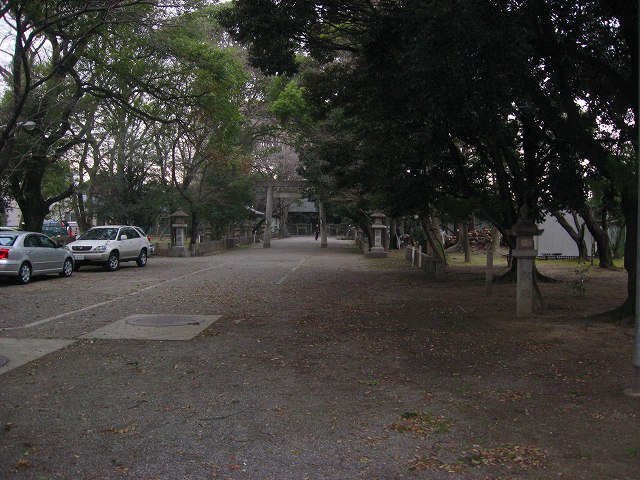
[535, 398]
[325, 365]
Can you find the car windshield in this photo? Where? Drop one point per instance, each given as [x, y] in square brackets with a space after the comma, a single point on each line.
[100, 234]
[7, 240]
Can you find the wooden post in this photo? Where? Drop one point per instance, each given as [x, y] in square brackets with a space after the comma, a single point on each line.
[323, 225]
[489, 279]
[269, 213]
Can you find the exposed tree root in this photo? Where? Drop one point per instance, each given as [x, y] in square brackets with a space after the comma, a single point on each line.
[544, 278]
[623, 313]
[511, 276]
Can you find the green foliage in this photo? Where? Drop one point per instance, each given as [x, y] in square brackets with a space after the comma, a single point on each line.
[420, 238]
[57, 179]
[123, 200]
[579, 285]
[227, 193]
[290, 105]
[435, 107]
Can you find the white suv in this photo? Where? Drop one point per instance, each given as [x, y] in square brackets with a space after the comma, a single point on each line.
[110, 245]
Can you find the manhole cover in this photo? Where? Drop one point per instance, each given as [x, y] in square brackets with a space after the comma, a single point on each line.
[162, 321]
[3, 361]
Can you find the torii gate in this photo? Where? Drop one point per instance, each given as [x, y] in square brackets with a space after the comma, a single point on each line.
[270, 184]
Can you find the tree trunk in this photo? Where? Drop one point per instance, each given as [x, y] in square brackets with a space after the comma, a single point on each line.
[26, 187]
[601, 237]
[464, 242]
[33, 212]
[433, 238]
[626, 311]
[511, 275]
[84, 220]
[195, 224]
[576, 234]
[618, 243]
[495, 238]
[456, 247]
[393, 237]
[84, 210]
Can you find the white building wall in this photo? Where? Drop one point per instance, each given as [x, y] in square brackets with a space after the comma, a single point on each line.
[13, 215]
[555, 239]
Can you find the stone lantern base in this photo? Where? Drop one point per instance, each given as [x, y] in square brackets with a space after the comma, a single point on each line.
[178, 251]
[376, 252]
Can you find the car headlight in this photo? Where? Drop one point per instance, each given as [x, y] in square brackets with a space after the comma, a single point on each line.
[100, 249]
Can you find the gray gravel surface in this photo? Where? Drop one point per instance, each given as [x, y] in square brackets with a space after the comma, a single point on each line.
[323, 365]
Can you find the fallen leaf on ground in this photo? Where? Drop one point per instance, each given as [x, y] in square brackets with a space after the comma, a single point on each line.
[22, 464]
[420, 424]
[522, 457]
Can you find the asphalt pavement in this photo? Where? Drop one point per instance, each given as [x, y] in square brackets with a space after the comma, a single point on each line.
[227, 400]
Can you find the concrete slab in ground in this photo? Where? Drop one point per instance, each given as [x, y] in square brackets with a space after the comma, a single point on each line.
[24, 350]
[155, 327]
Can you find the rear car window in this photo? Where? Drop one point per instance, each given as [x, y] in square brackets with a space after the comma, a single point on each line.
[6, 240]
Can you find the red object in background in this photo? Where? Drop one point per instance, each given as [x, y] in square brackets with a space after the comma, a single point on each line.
[4, 253]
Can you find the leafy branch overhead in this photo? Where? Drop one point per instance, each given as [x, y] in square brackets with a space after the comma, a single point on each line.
[108, 86]
[420, 104]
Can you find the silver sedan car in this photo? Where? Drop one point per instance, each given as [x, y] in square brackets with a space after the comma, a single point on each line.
[26, 254]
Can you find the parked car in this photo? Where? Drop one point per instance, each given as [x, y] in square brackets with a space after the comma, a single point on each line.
[109, 246]
[26, 254]
[152, 246]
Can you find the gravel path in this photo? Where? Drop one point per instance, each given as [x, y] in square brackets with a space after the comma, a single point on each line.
[323, 365]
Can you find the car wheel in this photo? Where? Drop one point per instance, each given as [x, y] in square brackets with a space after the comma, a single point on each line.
[113, 262]
[24, 274]
[142, 258]
[67, 268]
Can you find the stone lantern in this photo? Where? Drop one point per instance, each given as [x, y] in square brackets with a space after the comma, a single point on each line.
[379, 231]
[525, 253]
[178, 233]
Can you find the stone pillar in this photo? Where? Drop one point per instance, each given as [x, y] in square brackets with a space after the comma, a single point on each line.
[524, 296]
[524, 231]
[178, 234]
[379, 229]
[269, 213]
[323, 225]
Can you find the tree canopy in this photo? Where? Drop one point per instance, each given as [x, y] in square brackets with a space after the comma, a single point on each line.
[114, 88]
[499, 105]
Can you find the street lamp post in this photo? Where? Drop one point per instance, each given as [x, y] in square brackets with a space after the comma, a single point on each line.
[634, 391]
[28, 125]
[7, 139]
